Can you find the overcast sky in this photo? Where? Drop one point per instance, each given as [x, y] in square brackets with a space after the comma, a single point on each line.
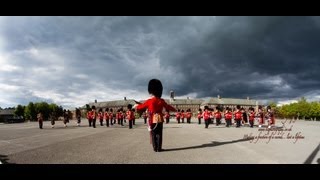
[74, 60]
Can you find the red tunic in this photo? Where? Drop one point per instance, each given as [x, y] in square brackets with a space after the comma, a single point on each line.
[217, 115]
[110, 115]
[167, 115]
[228, 116]
[100, 115]
[199, 114]
[238, 115]
[182, 115]
[106, 116]
[261, 120]
[130, 115]
[251, 116]
[206, 115]
[154, 105]
[178, 114]
[189, 114]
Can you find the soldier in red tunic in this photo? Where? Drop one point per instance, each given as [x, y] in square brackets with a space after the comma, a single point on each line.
[40, 119]
[228, 116]
[199, 116]
[218, 116]
[178, 114]
[121, 116]
[260, 116]
[167, 116]
[100, 117]
[89, 117]
[206, 116]
[238, 116]
[106, 116]
[188, 116]
[93, 116]
[252, 115]
[155, 105]
[270, 117]
[182, 116]
[111, 116]
[130, 115]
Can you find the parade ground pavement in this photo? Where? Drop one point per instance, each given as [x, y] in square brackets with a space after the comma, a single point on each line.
[293, 142]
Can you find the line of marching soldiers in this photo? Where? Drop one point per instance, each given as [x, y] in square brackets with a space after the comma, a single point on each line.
[239, 115]
[111, 117]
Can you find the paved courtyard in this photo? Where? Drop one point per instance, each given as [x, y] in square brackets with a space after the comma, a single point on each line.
[24, 143]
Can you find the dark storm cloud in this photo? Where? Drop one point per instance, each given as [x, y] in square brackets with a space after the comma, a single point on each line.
[225, 59]
[74, 60]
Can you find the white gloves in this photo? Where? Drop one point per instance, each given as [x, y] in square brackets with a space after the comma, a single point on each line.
[134, 106]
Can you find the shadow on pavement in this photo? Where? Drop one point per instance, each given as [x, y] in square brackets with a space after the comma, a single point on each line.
[213, 144]
[4, 159]
[313, 155]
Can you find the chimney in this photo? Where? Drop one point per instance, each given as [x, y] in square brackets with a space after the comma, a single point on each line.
[171, 95]
[219, 97]
[95, 101]
[125, 98]
[248, 98]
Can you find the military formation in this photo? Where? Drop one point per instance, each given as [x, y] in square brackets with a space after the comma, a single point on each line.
[155, 111]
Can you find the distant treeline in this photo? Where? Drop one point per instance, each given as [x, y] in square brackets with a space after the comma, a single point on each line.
[299, 110]
[30, 111]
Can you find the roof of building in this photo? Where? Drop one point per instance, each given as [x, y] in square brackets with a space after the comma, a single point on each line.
[118, 103]
[201, 102]
[184, 101]
[229, 101]
[7, 112]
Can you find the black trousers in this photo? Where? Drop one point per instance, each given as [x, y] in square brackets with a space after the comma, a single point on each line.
[101, 122]
[134, 121]
[53, 122]
[218, 121]
[145, 120]
[251, 123]
[79, 120]
[130, 124]
[107, 122]
[40, 124]
[90, 122]
[156, 133]
[238, 123]
[167, 120]
[207, 122]
[199, 120]
[121, 122]
[189, 120]
[94, 123]
[178, 120]
[182, 120]
[228, 122]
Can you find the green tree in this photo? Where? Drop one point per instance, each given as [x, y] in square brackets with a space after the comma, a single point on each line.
[44, 108]
[30, 112]
[303, 108]
[315, 110]
[19, 111]
[60, 111]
